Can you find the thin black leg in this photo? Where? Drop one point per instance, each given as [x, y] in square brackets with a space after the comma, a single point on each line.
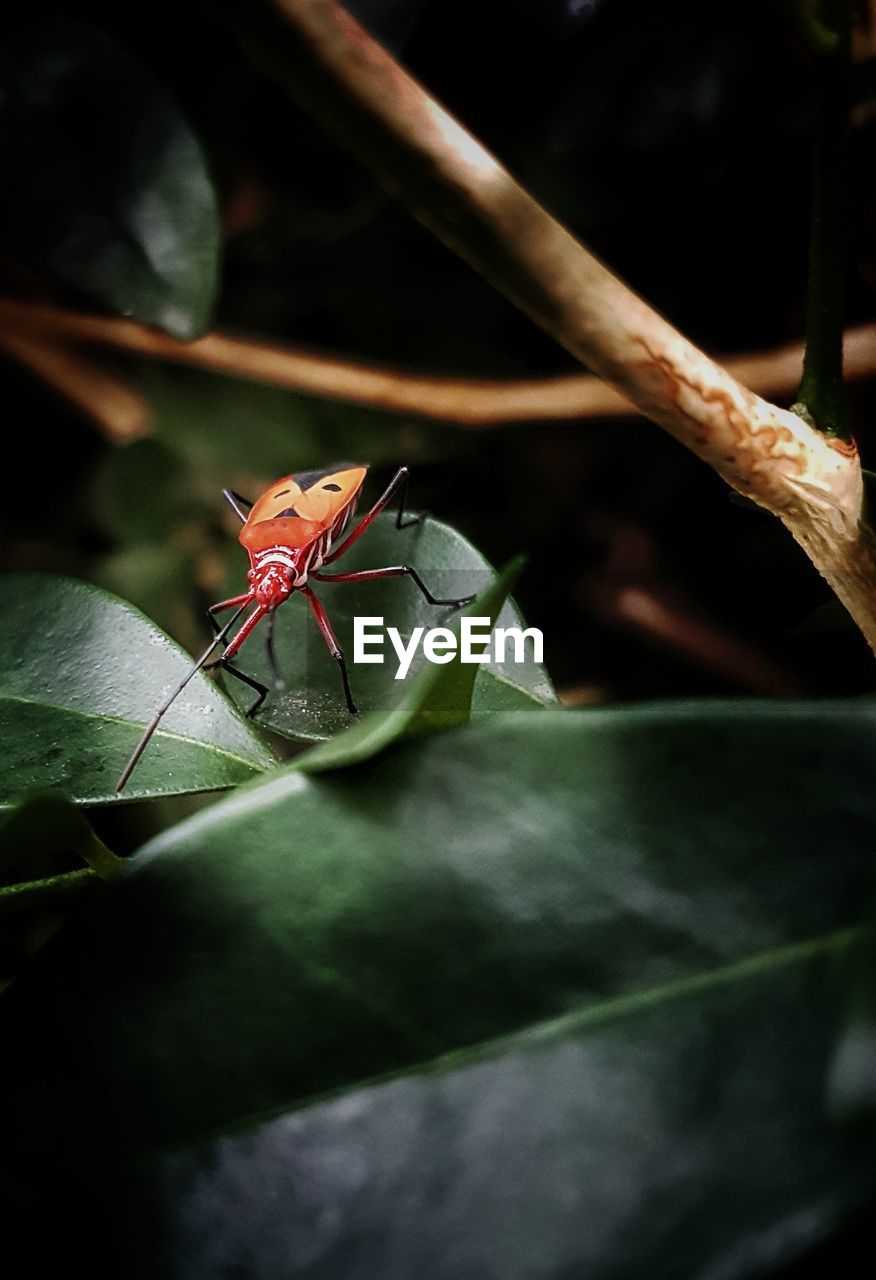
[348, 694]
[391, 571]
[398, 484]
[400, 522]
[261, 689]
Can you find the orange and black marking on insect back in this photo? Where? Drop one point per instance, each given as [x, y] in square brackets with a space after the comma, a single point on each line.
[290, 533]
[302, 510]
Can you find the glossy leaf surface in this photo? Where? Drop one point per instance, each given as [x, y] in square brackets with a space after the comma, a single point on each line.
[440, 697]
[82, 672]
[113, 196]
[595, 955]
[311, 707]
[46, 824]
[618, 1142]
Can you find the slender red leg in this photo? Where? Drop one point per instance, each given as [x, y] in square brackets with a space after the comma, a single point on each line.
[226, 604]
[260, 689]
[223, 661]
[398, 481]
[392, 571]
[334, 648]
[230, 603]
[249, 624]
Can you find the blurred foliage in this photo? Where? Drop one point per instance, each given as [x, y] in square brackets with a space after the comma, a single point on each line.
[49, 823]
[485, 996]
[597, 953]
[852, 1083]
[112, 191]
[44, 841]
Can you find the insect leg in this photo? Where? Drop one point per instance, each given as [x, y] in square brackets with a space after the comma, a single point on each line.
[400, 522]
[235, 501]
[225, 661]
[328, 635]
[226, 604]
[249, 623]
[398, 482]
[260, 688]
[391, 571]
[154, 722]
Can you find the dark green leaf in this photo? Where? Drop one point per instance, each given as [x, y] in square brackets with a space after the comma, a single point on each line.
[852, 1089]
[677, 1133]
[44, 839]
[596, 954]
[159, 580]
[143, 492]
[112, 191]
[311, 707]
[49, 823]
[439, 698]
[82, 672]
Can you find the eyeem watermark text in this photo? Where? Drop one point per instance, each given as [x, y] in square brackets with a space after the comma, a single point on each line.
[477, 642]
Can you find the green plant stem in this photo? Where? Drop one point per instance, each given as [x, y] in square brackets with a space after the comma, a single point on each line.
[822, 396]
[44, 893]
[102, 861]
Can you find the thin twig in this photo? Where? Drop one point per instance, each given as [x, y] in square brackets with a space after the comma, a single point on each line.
[104, 399]
[469, 402]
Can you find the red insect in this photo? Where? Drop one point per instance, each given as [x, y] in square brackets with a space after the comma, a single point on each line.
[290, 533]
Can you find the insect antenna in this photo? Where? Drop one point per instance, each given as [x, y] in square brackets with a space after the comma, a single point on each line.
[154, 722]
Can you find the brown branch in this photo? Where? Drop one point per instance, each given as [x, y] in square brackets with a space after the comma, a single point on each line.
[332, 67]
[469, 402]
[461, 192]
[104, 399]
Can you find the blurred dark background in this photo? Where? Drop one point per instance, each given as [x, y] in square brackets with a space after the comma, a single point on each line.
[673, 137]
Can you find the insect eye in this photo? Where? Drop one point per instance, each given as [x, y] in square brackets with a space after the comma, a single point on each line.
[333, 488]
